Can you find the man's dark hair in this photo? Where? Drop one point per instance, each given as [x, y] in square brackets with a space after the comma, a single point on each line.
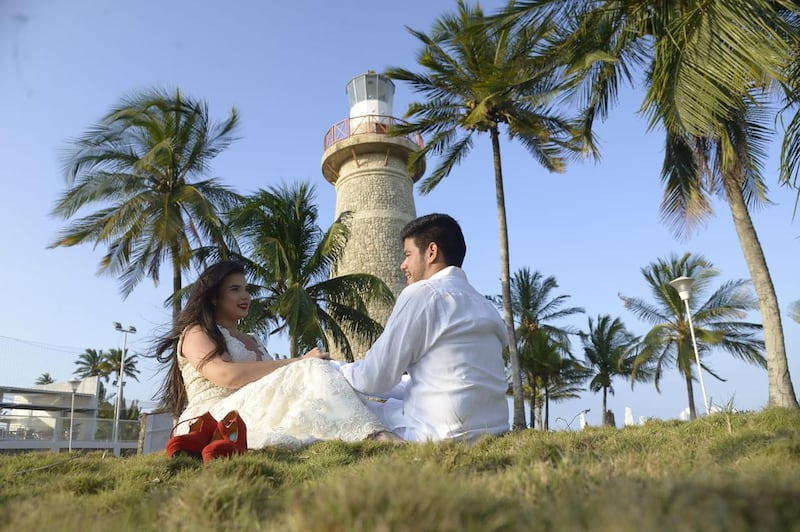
[443, 230]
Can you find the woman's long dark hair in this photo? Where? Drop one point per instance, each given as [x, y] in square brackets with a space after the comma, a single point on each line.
[199, 311]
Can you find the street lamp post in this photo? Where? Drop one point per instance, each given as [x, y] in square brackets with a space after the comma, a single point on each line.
[74, 383]
[118, 403]
[684, 286]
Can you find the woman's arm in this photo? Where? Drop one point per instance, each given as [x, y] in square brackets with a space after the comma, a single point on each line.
[224, 373]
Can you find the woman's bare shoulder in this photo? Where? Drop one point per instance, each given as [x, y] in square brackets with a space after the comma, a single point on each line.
[197, 344]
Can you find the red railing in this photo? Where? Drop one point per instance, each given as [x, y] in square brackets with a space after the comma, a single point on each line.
[361, 125]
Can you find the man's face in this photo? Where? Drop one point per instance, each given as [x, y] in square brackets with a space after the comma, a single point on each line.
[415, 264]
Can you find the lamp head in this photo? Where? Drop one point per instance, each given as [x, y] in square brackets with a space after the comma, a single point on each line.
[74, 383]
[683, 285]
[132, 329]
[117, 325]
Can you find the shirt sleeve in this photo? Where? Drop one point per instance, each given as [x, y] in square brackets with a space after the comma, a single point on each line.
[405, 339]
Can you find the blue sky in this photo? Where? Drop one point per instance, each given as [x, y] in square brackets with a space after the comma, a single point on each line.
[284, 66]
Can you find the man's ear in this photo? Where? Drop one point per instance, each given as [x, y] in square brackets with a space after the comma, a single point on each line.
[432, 254]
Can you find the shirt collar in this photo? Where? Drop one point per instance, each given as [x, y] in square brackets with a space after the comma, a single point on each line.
[449, 271]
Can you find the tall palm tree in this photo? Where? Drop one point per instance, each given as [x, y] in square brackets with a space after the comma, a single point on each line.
[540, 341]
[478, 80]
[290, 261]
[114, 359]
[550, 371]
[144, 167]
[609, 350]
[568, 385]
[535, 306]
[707, 66]
[717, 322]
[114, 362]
[94, 363]
[542, 345]
[44, 378]
[790, 147]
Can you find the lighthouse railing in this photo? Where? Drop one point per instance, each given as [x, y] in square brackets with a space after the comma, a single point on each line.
[361, 125]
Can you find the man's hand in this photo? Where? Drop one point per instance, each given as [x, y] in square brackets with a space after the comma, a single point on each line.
[317, 353]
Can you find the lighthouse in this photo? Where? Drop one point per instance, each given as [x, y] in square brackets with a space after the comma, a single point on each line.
[369, 168]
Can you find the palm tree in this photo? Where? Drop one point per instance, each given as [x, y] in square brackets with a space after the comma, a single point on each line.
[542, 346]
[568, 385]
[44, 378]
[707, 65]
[94, 363]
[144, 168]
[535, 306]
[475, 81]
[114, 359]
[790, 147]
[550, 371]
[290, 265]
[609, 350]
[717, 322]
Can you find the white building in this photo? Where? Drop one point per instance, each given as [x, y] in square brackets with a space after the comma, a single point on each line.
[39, 418]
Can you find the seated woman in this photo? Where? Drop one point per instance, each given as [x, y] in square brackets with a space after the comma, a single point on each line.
[214, 368]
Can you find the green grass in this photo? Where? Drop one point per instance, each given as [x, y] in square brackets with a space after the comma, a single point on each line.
[724, 472]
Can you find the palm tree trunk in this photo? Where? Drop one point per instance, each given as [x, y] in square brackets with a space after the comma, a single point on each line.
[690, 391]
[605, 406]
[539, 417]
[532, 382]
[781, 391]
[533, 408]
[505, 283]
[546, 408]
[176, 285]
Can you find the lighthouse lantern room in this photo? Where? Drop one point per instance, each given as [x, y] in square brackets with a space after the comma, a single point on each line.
[370, 94]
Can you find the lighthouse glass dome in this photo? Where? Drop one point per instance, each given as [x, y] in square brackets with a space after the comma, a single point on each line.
[370, 94]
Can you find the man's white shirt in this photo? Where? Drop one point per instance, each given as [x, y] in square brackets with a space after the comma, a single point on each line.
[449, 338]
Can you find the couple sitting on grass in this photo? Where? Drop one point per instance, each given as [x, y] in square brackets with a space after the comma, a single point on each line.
[226, 389]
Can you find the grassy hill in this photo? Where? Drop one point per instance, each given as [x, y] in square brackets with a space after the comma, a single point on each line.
[724, 472]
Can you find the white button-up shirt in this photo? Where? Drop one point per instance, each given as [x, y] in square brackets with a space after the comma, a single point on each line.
[450, 339]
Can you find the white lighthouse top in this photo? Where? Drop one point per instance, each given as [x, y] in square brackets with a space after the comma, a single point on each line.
[370, 94]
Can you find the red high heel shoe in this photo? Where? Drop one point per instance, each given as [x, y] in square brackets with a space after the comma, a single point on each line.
[201, 429]
[228, 439]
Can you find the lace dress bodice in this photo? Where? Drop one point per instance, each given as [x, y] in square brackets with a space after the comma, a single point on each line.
[201, 391]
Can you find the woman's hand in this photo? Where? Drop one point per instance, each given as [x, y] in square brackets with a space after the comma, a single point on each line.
[316, 353]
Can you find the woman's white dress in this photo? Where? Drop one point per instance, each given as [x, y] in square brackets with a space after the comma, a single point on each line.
[293, 406]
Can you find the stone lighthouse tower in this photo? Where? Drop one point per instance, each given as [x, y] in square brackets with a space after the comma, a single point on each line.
[369, 169]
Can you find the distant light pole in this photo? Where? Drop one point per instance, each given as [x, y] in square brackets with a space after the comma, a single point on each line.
[74, 383]
[684, 286]
[118, 403]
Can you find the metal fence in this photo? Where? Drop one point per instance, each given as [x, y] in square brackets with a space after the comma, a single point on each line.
[28, 432]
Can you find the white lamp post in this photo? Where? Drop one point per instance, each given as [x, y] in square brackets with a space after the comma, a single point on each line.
[118, 403]
[74, 383]
[684, 286]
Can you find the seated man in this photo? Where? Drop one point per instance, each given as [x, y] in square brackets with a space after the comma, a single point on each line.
[446, 336]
